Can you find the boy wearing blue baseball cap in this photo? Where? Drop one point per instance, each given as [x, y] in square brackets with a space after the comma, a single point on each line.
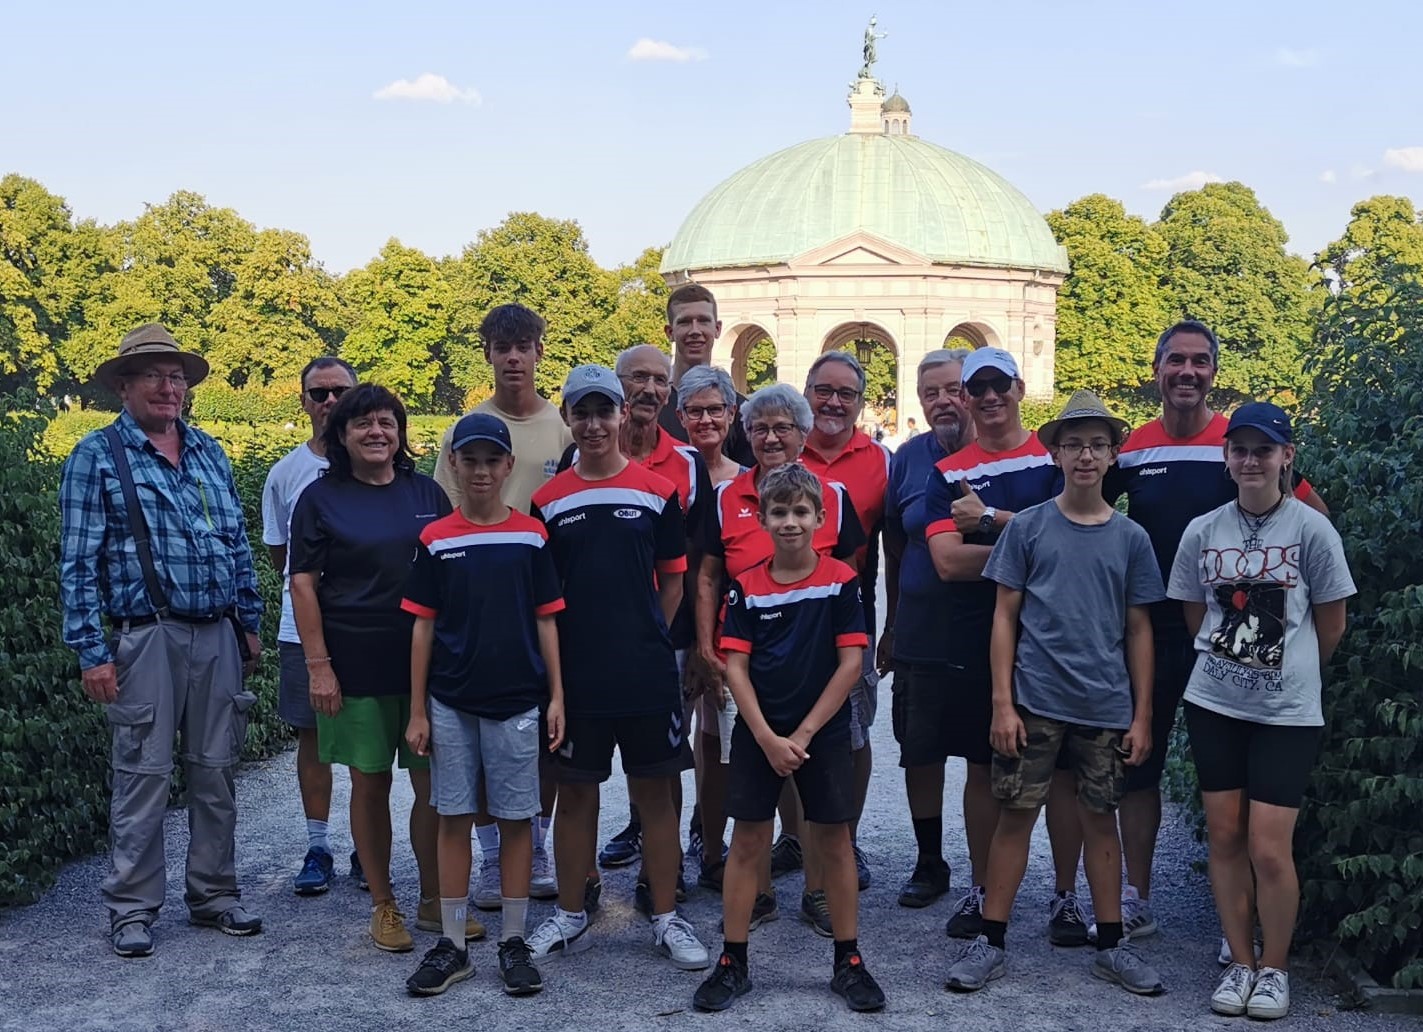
[484, 591]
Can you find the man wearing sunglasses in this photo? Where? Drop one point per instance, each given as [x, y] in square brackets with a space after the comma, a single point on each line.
[968, 501]
[323, 381]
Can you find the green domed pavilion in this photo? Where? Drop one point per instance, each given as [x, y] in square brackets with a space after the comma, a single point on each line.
[873, 234]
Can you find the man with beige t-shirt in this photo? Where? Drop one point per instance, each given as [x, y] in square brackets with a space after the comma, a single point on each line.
[513, 345]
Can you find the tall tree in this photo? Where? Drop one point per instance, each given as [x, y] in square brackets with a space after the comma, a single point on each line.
[1111, 306]
[1381, 247]
[1226, 264]
[400, 306]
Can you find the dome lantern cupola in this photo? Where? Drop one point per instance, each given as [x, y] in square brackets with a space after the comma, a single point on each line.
[895, 114]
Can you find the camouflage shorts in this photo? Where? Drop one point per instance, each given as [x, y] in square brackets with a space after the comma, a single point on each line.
[1091, 752]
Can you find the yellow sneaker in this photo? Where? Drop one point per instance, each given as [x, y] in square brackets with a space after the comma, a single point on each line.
[388, 928]
[427, 919]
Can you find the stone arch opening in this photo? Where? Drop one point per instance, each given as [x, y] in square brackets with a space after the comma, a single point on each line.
[753, 357]
[975, 334]
[878, 352]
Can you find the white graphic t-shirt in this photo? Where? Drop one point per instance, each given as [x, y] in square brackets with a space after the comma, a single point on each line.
[1257, 653]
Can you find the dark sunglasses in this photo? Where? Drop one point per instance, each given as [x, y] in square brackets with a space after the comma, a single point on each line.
[978, 388]
[320, 394]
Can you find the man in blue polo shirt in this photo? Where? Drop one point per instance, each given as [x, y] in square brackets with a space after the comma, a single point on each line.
[1171, 470]
[620, 545]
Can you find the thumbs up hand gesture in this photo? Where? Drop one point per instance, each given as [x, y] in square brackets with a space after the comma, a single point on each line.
[967, 511]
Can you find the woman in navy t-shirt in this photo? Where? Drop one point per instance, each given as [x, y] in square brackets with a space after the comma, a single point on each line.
[354, 533]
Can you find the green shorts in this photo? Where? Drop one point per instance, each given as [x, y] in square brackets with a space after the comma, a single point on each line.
[368, 734]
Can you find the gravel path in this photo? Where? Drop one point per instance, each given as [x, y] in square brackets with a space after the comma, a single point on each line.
[313, 967]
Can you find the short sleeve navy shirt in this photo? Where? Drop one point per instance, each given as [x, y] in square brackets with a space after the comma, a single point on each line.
[793, 632]
[484, 586]
[925, 602]
[611, 540]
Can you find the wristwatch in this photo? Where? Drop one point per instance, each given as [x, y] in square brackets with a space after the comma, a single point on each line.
[988, 519]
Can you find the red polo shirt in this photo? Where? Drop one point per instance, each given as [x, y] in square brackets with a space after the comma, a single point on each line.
[863, 467]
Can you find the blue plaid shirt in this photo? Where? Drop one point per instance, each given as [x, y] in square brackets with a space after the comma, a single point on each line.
[195, 524]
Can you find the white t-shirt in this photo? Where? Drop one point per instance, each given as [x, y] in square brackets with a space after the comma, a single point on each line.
[285, 483]
[539, 442]
[1257, 652]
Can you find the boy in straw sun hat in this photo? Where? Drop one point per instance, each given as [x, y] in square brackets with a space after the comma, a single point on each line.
[1071, 661]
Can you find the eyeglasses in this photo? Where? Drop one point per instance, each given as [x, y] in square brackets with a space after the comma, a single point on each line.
[1099, 449]
[154, 379]
[932, 394]
[697, 412]
[320, 394]
[978, 388]
[761, 431]
[824, 392]
[642, 379]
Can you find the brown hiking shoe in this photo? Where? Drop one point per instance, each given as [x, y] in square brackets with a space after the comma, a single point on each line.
[388, 928]
[427, 919]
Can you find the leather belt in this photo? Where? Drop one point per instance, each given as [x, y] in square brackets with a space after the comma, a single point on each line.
[128, 623]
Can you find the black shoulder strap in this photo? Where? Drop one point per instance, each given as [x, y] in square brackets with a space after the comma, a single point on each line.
[137, 524]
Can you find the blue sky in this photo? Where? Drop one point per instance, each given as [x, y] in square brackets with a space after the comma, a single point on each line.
[271, 108]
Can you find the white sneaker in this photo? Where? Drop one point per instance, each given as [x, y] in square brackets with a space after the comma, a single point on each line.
[559, 937]
[1271, 998]
[1225, 959]
[679, 942]
[1137, 919]
[488, 894]
[1233, 992]
[543, 884]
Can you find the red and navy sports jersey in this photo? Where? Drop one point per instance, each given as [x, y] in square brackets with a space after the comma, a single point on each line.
[611, 540]
[793, 632]
[1169, 481]
[1008, 480]
[483, 586]
[735, 535]
[863, 467]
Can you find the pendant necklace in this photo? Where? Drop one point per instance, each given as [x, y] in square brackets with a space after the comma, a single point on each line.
[1252, 523]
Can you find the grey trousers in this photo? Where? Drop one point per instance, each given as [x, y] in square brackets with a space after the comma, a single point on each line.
[175, 679]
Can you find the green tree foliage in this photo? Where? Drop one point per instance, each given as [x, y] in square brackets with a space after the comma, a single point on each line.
[760, 362]
[544, 264]
[1112, 306]
[880, 385]
[640, 314]
[401, 306]
[1382, 245]
[1226, 264]
[1360, 843]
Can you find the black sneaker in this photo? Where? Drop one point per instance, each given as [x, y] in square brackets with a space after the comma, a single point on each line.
[358, 873]
[623, 848]
[642, 898]
[815, 911]
[966, 922]
[516, 968]
[1067, 923]
[862, 868]
[786, 856]
[929, 881]
[592, 894]
[441, 968]
[710, 873]
[728, 980]
[694, 836]
[763, 911]
[858, 987]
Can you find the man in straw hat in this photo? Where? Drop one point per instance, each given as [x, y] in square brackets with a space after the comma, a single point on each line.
[1071, 662]
[175, 580]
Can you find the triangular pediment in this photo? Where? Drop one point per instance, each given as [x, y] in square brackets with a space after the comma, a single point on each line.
[859, 249]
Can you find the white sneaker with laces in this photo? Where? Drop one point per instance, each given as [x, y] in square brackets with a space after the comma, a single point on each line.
[680, 943]
[1233, 992]
[543, 884]
[488, 895]
[1271, 997]
[559, 937]
[1225, 959]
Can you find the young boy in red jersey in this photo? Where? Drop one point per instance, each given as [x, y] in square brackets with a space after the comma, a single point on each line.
[795, 637]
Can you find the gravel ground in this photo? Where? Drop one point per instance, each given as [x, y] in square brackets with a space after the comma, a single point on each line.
[313, 966]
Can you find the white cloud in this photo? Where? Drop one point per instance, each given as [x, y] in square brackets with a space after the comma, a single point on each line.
[1410, 159]
[1357, 171]
[646, 49]
[1190, 181]
[1288, 57]
[1328, 176]
[427, 87]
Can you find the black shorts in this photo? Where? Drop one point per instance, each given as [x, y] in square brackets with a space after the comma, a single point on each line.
[1175, 659]
[651, 746]
[1271, 762]
[825, 781]
[940, 710]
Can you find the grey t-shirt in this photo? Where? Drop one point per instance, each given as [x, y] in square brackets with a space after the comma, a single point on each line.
[1077, 582]
[1257, 653]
